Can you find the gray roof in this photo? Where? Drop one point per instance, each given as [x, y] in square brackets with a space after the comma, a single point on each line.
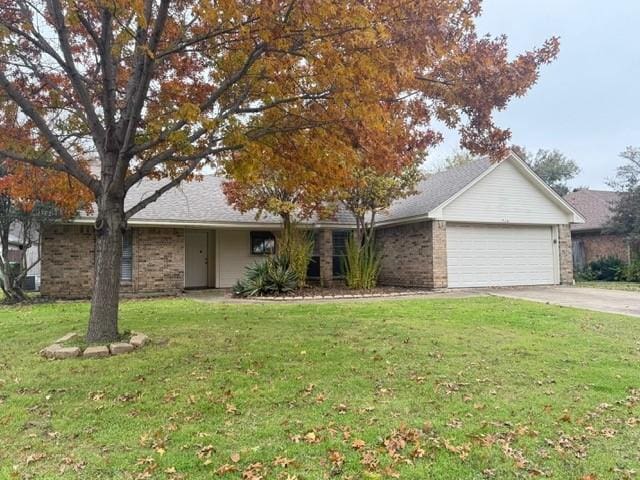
[203, 201]
[594, 205]
[198, 201]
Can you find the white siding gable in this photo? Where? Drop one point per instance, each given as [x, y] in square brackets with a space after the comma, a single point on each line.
[504, 195]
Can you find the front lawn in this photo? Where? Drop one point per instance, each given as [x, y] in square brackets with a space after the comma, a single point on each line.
[443, 389]
[626, 286]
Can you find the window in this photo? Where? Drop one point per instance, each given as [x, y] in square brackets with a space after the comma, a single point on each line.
[126, 264]
[313, 270]
[339, 248]
[263, 243]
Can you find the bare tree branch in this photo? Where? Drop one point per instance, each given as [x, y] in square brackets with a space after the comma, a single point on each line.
[69, 65]
[38, 161]
[159, 192]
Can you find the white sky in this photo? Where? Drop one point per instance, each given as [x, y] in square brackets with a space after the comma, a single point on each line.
[586, 103]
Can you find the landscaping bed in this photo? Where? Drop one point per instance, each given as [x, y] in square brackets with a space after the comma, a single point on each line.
[317, 292]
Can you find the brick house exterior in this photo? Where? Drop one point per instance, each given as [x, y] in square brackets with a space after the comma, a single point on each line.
[414, 254]
[193, 239]
[68, 256]
[591, 241]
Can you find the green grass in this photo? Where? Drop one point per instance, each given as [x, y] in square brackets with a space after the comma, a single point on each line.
[444, 389]
[627, 286]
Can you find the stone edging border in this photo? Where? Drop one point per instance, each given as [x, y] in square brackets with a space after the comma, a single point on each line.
[58, 351]
[341, 296]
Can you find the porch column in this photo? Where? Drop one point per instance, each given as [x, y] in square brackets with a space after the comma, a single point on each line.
[439, 254]
[325, 250]
[566, 254]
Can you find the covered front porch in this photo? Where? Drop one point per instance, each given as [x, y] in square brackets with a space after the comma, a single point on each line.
[217, 258]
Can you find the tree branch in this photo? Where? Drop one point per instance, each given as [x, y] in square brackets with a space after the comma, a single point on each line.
[38, 162]
[105, 46]
[159, 192]
[141, 77]
[207, 104]
[69, 65]
[147, 167]
[71, 165]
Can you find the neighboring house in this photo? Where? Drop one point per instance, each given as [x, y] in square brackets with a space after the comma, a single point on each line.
[32, 280]
[590, 239]
[481, 224]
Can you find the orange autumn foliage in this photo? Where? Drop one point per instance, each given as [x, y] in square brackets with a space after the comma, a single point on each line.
[27, 186]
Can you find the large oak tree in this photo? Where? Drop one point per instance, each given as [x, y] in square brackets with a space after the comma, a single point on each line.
[160, 88]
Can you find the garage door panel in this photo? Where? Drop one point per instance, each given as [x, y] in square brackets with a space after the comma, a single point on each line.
[482, 255]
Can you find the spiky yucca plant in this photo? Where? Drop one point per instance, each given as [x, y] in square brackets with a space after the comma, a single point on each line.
[362, 264]
[269, 277]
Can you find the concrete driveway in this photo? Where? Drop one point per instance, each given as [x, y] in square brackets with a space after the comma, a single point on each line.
[598, 299]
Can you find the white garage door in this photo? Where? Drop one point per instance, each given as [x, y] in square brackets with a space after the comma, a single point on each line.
[491, 256]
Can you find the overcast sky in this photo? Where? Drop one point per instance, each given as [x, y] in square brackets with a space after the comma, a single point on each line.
[587, 103]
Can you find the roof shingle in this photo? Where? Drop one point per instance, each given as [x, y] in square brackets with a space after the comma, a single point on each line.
[594, 205]
[203, 201]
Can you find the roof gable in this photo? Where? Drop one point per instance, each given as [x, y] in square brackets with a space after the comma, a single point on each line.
[434, 190]
[508, 192]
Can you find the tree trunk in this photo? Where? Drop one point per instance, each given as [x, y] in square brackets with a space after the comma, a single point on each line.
[12, 291]
[11, 288]
[110, 224]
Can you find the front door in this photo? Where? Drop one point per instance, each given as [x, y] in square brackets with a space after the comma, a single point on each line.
[196, 259]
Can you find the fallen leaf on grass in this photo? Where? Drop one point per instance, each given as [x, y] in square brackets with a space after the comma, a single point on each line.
[358, 444]
[283, 462]
[454, 423]
[311, 437]
[341, 408]
[96, 396]
[254, 471]
[226, 468]
[369, 460]
[204, 454]
[608, 432]
[35, 457]
[461, 450]
[336, 458]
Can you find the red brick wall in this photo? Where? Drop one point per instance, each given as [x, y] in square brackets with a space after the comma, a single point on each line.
[158, 261]
[414, 255]
[598, 246]
[68, 258]
[67, 261]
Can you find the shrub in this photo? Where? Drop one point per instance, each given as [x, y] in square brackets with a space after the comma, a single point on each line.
[269, 277]
[631, 272]
[361, 264]
[296, 246]
[604, 269]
